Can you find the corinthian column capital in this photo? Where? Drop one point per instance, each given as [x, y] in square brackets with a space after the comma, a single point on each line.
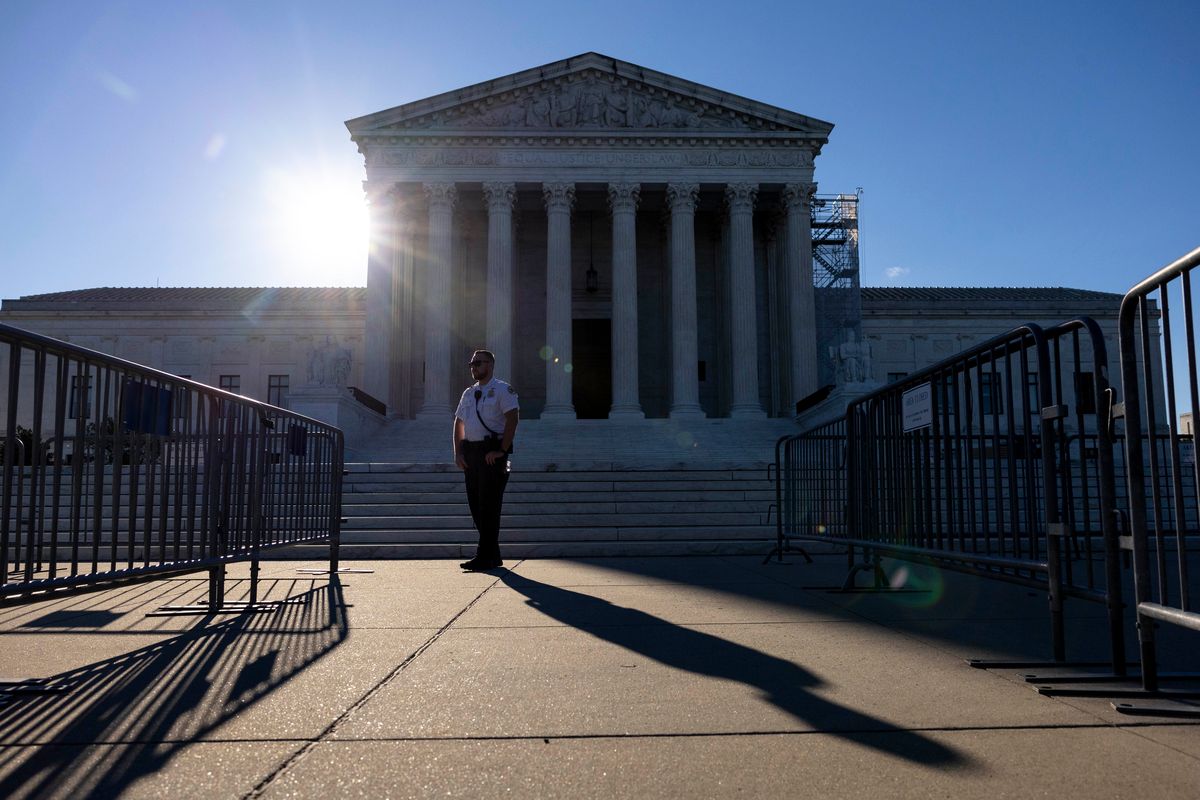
[441, 195]
[741, 196]
[683, 196]
[798, 195]
[500, 195]
[624, 196]
[559, 196]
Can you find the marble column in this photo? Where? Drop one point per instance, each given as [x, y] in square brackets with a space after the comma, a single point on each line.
[623, 200]
[685, 379]
[802, 311]
[438, 266]
[500, 198]
[743, 304]
[399, 399]
[377, 355]
[559, 199]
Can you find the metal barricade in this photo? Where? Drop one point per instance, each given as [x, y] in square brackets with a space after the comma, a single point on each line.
[810, 487]
[996, 462]
[1160, 461]
[115, 472]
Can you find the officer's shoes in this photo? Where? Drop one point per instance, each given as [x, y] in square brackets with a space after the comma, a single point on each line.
[481, 564]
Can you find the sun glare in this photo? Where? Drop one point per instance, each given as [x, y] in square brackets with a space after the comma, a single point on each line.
[318, 227]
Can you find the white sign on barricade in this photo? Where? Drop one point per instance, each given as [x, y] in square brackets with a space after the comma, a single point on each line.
[918, 407]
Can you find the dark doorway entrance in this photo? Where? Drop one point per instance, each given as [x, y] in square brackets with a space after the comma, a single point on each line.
[591, 375]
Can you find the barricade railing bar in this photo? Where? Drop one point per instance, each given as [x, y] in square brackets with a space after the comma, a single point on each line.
[975, 464]
[1160, 460]
[115, 472]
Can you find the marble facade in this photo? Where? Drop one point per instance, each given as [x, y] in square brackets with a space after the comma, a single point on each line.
[616, 235]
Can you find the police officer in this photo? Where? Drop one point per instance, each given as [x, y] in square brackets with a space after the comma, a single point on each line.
[484, 425]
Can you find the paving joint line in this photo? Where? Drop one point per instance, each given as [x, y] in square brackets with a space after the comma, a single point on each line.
[331, 728]
[1132, 727]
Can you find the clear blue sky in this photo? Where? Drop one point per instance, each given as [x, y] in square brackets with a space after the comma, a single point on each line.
[202, 143]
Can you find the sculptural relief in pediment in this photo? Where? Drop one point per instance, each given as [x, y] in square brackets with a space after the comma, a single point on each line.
[594, 102]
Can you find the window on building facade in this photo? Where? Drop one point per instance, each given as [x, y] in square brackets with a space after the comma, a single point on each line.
[1085, 392]
[181, 402]
[81, 397]
[277, 390]
[947, 395]
[993, 399]
[230, 383]
[1031, 392]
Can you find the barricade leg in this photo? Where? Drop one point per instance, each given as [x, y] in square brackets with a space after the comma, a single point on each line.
[216, 586]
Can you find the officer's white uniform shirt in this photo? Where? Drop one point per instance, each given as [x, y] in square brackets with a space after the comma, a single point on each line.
[495, 399]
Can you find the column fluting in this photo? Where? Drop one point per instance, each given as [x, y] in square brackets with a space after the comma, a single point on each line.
[744, 330]
[802, 314]
[685, 379]
[499, 293]
[623, 201]
[377, 355]
[438, 267]
[399, 399]
[559, 197]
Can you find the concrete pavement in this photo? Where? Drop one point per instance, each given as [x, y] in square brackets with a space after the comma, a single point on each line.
[614, 677]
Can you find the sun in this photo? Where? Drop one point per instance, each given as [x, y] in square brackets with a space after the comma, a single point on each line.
[317, 223]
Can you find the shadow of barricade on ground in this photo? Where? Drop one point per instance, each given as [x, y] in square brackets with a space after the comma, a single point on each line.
[157, 699]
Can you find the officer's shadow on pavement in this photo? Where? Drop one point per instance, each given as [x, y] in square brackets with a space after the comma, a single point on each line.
[783, 683]
[148, 704]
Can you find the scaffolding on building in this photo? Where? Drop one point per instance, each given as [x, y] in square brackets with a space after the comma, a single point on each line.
[836, 269]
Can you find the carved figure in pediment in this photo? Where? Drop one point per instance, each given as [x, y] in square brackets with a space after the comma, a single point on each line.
[537, 112]
[673, 117]
[646, 112]
[563, 109]
[616, 111]
[591, 107]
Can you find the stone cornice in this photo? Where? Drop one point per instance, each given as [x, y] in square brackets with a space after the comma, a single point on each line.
[553, 138]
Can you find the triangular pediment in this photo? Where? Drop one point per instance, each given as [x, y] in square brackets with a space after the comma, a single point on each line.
[589, 93]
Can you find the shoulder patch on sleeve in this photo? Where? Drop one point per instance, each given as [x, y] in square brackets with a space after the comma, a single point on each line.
[511, 390]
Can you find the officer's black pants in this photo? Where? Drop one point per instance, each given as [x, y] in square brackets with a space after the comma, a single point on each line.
[485, 495]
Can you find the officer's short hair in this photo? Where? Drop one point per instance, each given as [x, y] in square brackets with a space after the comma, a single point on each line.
[491, 356]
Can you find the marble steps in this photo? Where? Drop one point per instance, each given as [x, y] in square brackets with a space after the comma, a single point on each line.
[577, 533]
[558, 521]
[517, 508]
[407, 510]
[540, 497]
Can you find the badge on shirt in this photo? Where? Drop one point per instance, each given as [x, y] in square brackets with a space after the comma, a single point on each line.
[491, 392]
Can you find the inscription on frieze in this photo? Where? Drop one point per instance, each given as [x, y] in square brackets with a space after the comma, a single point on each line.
[452, 157]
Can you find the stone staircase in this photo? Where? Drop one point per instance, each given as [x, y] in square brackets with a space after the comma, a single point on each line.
[420, 511]
[579, 488]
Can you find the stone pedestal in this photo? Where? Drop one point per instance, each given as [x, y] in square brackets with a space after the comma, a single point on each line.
[335, 405]
[834, 406]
